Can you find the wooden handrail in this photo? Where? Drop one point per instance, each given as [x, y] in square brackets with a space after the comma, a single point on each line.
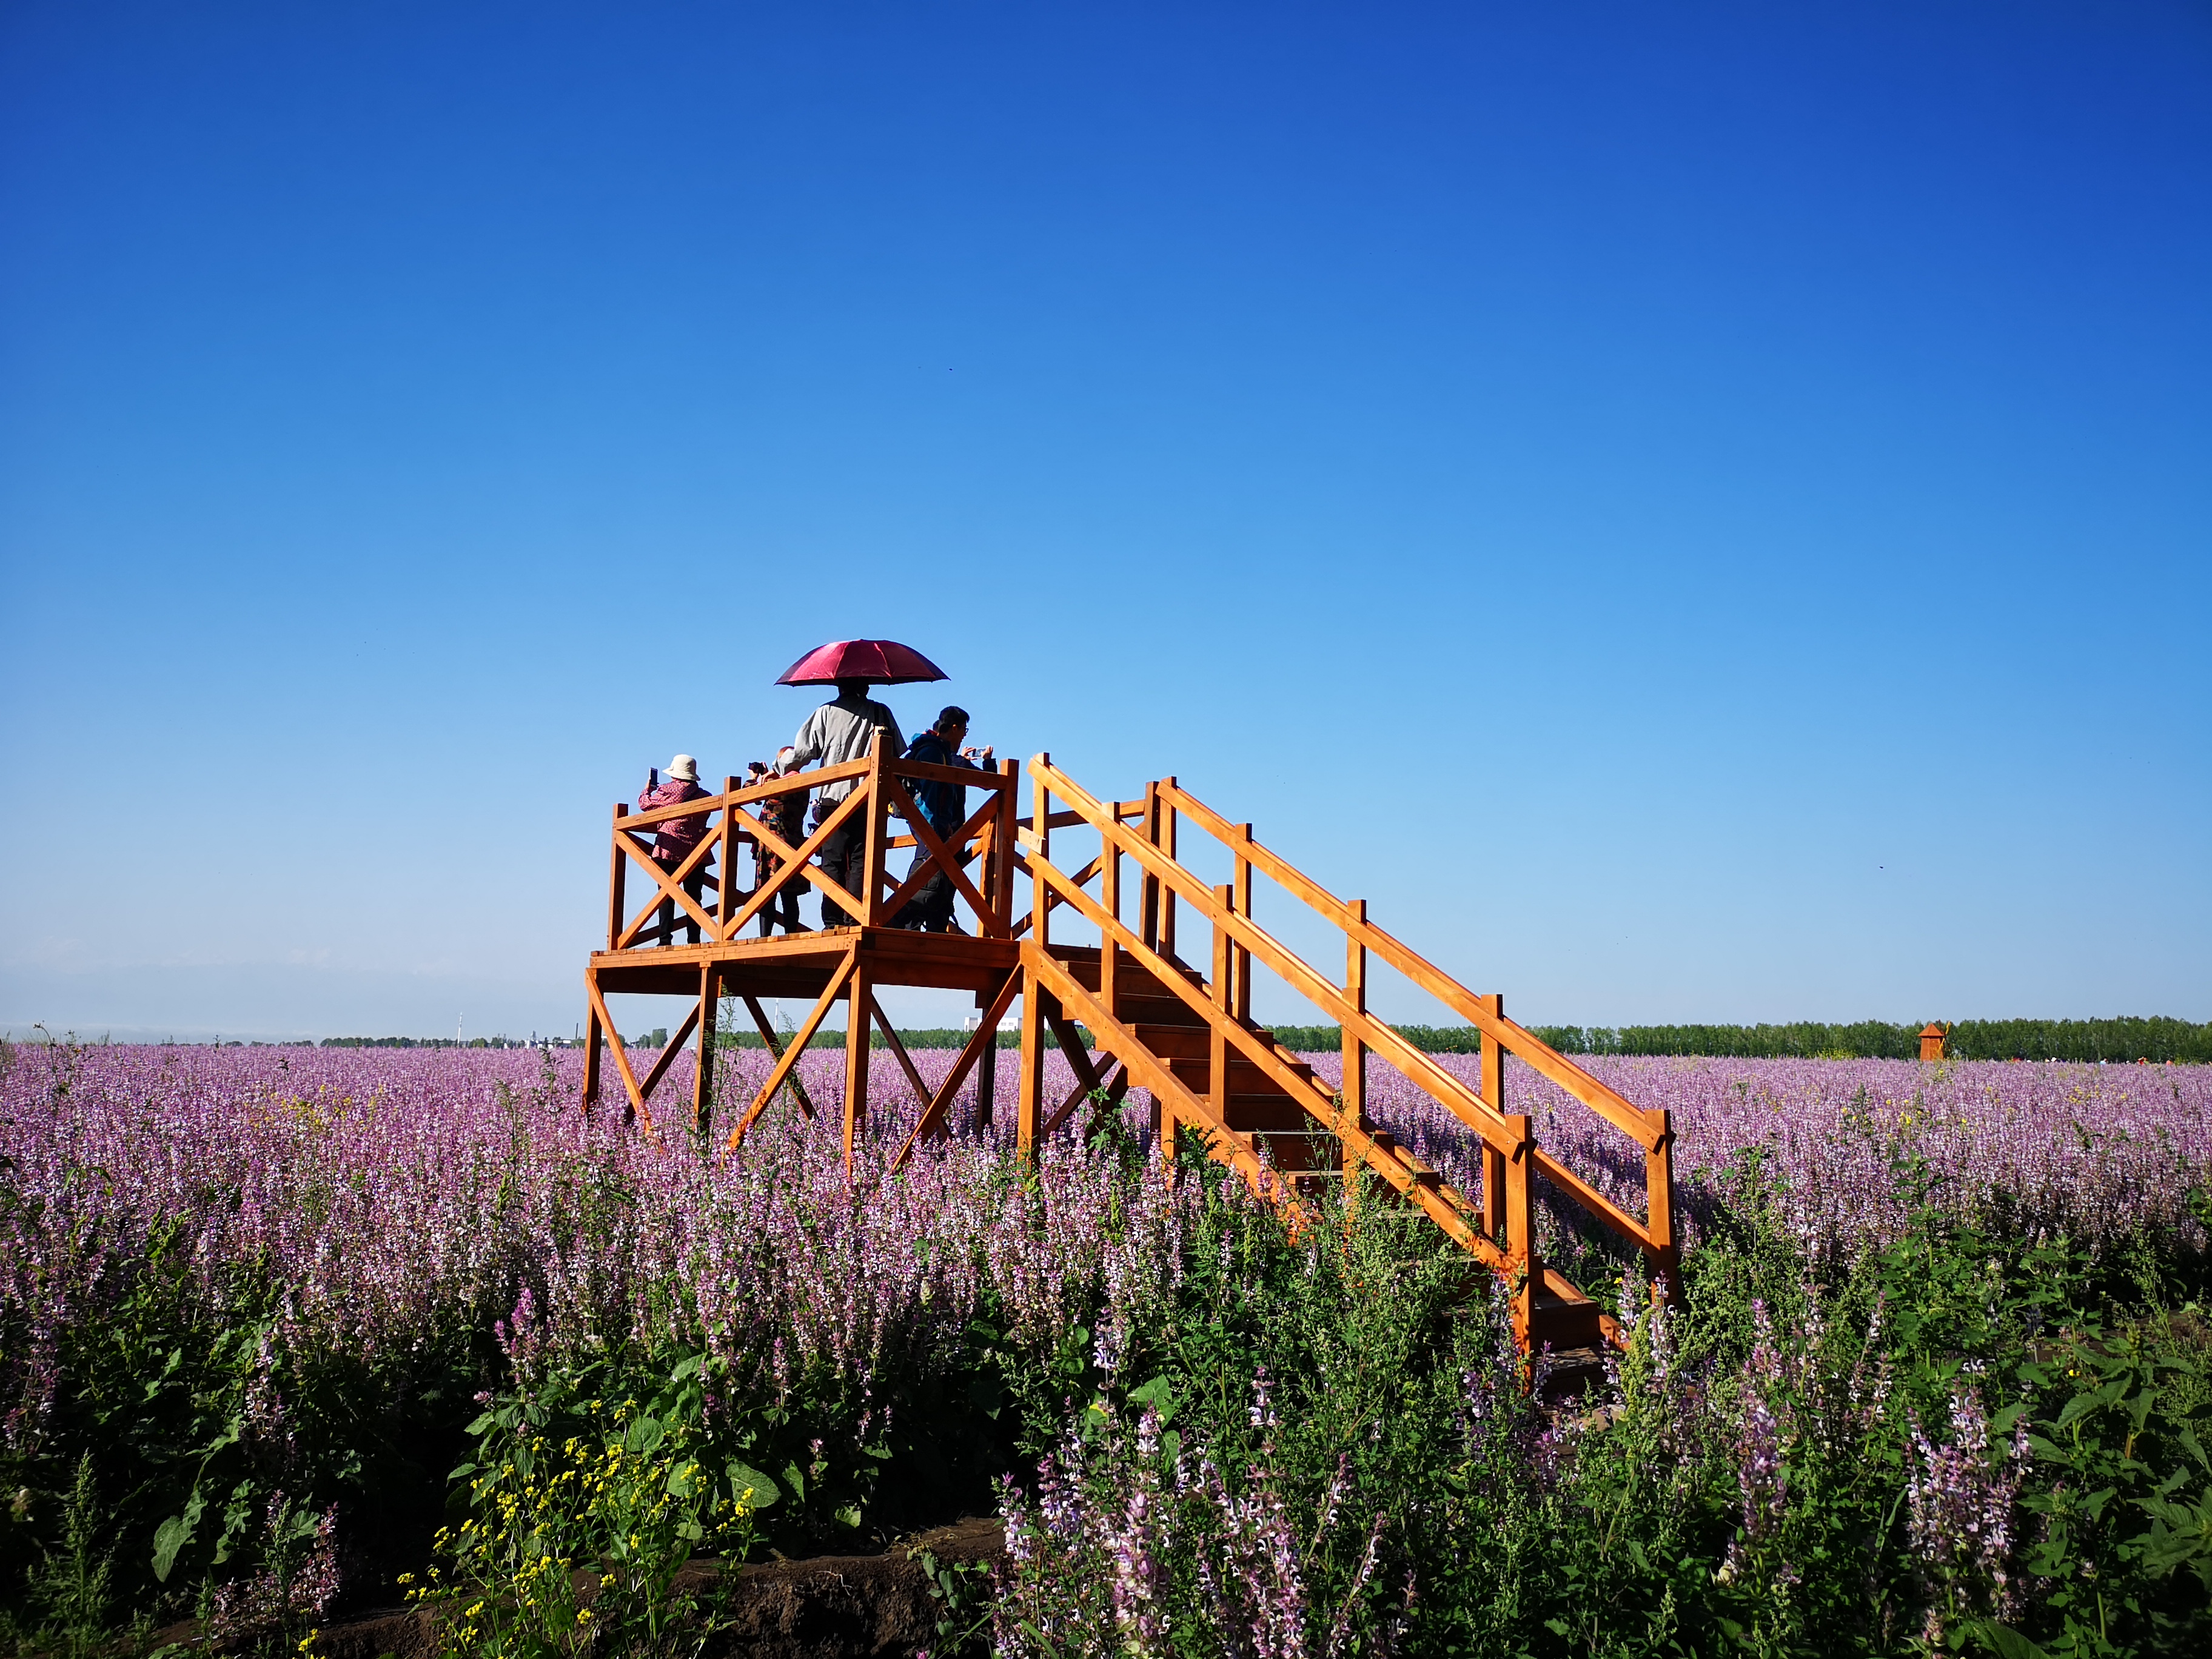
[1239, 940]
[877, 796]
[1448, 1210]
[1385, 1040]
[919, 771]
[1514, 1038]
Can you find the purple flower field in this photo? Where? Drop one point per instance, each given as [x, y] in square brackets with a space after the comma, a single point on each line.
[345, 1230]
[399, 1192]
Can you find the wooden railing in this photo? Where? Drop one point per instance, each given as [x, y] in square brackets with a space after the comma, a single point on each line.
[880, 794]
[1500, 1230]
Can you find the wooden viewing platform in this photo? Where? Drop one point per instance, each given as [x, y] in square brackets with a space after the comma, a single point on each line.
[1180, 1029]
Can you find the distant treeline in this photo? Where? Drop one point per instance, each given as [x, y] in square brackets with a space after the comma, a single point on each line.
[2156, 1040]
[933, 1037]
[420, 1042]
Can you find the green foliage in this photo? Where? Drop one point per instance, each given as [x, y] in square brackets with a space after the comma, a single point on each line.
[583, 1511]
[2080, 1040]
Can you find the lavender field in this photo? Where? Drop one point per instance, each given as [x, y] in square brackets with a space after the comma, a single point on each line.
[351, 1236]
[396, 1191]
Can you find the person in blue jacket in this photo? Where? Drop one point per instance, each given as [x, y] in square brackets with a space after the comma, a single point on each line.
[945, 806]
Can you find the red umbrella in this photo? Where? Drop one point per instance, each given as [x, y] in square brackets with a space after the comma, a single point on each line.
[880, 662]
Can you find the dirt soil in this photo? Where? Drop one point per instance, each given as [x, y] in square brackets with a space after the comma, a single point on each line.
[828, 1607]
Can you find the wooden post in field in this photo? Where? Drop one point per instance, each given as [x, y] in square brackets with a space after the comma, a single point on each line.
[591, 1057]
[618, 879]
[1353, 1092]
[1494, 1176]
[703, 1085]
[1217, 1046]
[1240, 958]
[1167, 844]
[869, 911]
[859, 991]
[1028, 1099]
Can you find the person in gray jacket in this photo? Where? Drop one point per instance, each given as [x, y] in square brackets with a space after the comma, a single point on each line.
[840, 730]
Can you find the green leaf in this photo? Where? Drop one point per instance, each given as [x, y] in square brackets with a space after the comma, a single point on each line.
[462, 1471]
[645, 1435]
[1159, 1395]
[173, 1534]
[850, 1515]
[688, 1370]
[764, 1493]
[2006, 1642]
[793, 1479]
[482, 1423]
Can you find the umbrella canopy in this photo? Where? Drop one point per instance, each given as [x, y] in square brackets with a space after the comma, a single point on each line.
[880, 662]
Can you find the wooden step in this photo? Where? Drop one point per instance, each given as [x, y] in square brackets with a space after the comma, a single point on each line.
[1082, 962]
[1297, 1149]
[1157, 1008]
[1563, 1316]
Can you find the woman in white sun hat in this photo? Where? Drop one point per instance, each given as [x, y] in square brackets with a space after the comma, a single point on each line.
[674, 840]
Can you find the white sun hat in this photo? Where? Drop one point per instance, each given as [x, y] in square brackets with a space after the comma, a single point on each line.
[686, 768]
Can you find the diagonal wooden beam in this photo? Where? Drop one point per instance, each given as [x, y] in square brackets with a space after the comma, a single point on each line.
[637, 1106]
[668, 1055]
[670, 886]
[985, 1041]
[937, 859]
[1055, 900]
[790, 1058]
[898, 1052]
[775, 1048]
[959, 839]
[1115, 1090]
[1071, 1044]
[797, 863]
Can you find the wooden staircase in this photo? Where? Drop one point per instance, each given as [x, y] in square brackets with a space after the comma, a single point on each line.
[1187, 1035]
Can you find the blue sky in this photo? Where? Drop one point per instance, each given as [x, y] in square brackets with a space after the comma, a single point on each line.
[1695, 513]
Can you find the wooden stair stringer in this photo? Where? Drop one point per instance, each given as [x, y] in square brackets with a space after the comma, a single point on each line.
[1443, 1204]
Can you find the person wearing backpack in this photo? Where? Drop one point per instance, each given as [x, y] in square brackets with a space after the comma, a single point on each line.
[945, 804]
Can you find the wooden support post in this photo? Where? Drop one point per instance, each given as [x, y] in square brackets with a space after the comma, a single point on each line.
[725, 876]
[1217, 1048]
[1039, 847]
[1148, 884]
[591, 1053]
[1494, 1175]
[1521, 1225]
[870, 913]
[618, 875]
[1240, 959]
[860, 997]
[1354, 1090]
[987, 1076]
[703, 1085]
[1002, 846]
[1167, 844]
[1028, 1108]
[1109, 900]
[1665, 1260]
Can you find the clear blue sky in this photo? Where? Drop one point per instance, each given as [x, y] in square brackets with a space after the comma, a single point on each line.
[1698, 512]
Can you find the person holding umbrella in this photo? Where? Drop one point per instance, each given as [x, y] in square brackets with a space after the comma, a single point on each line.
[842, 730]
